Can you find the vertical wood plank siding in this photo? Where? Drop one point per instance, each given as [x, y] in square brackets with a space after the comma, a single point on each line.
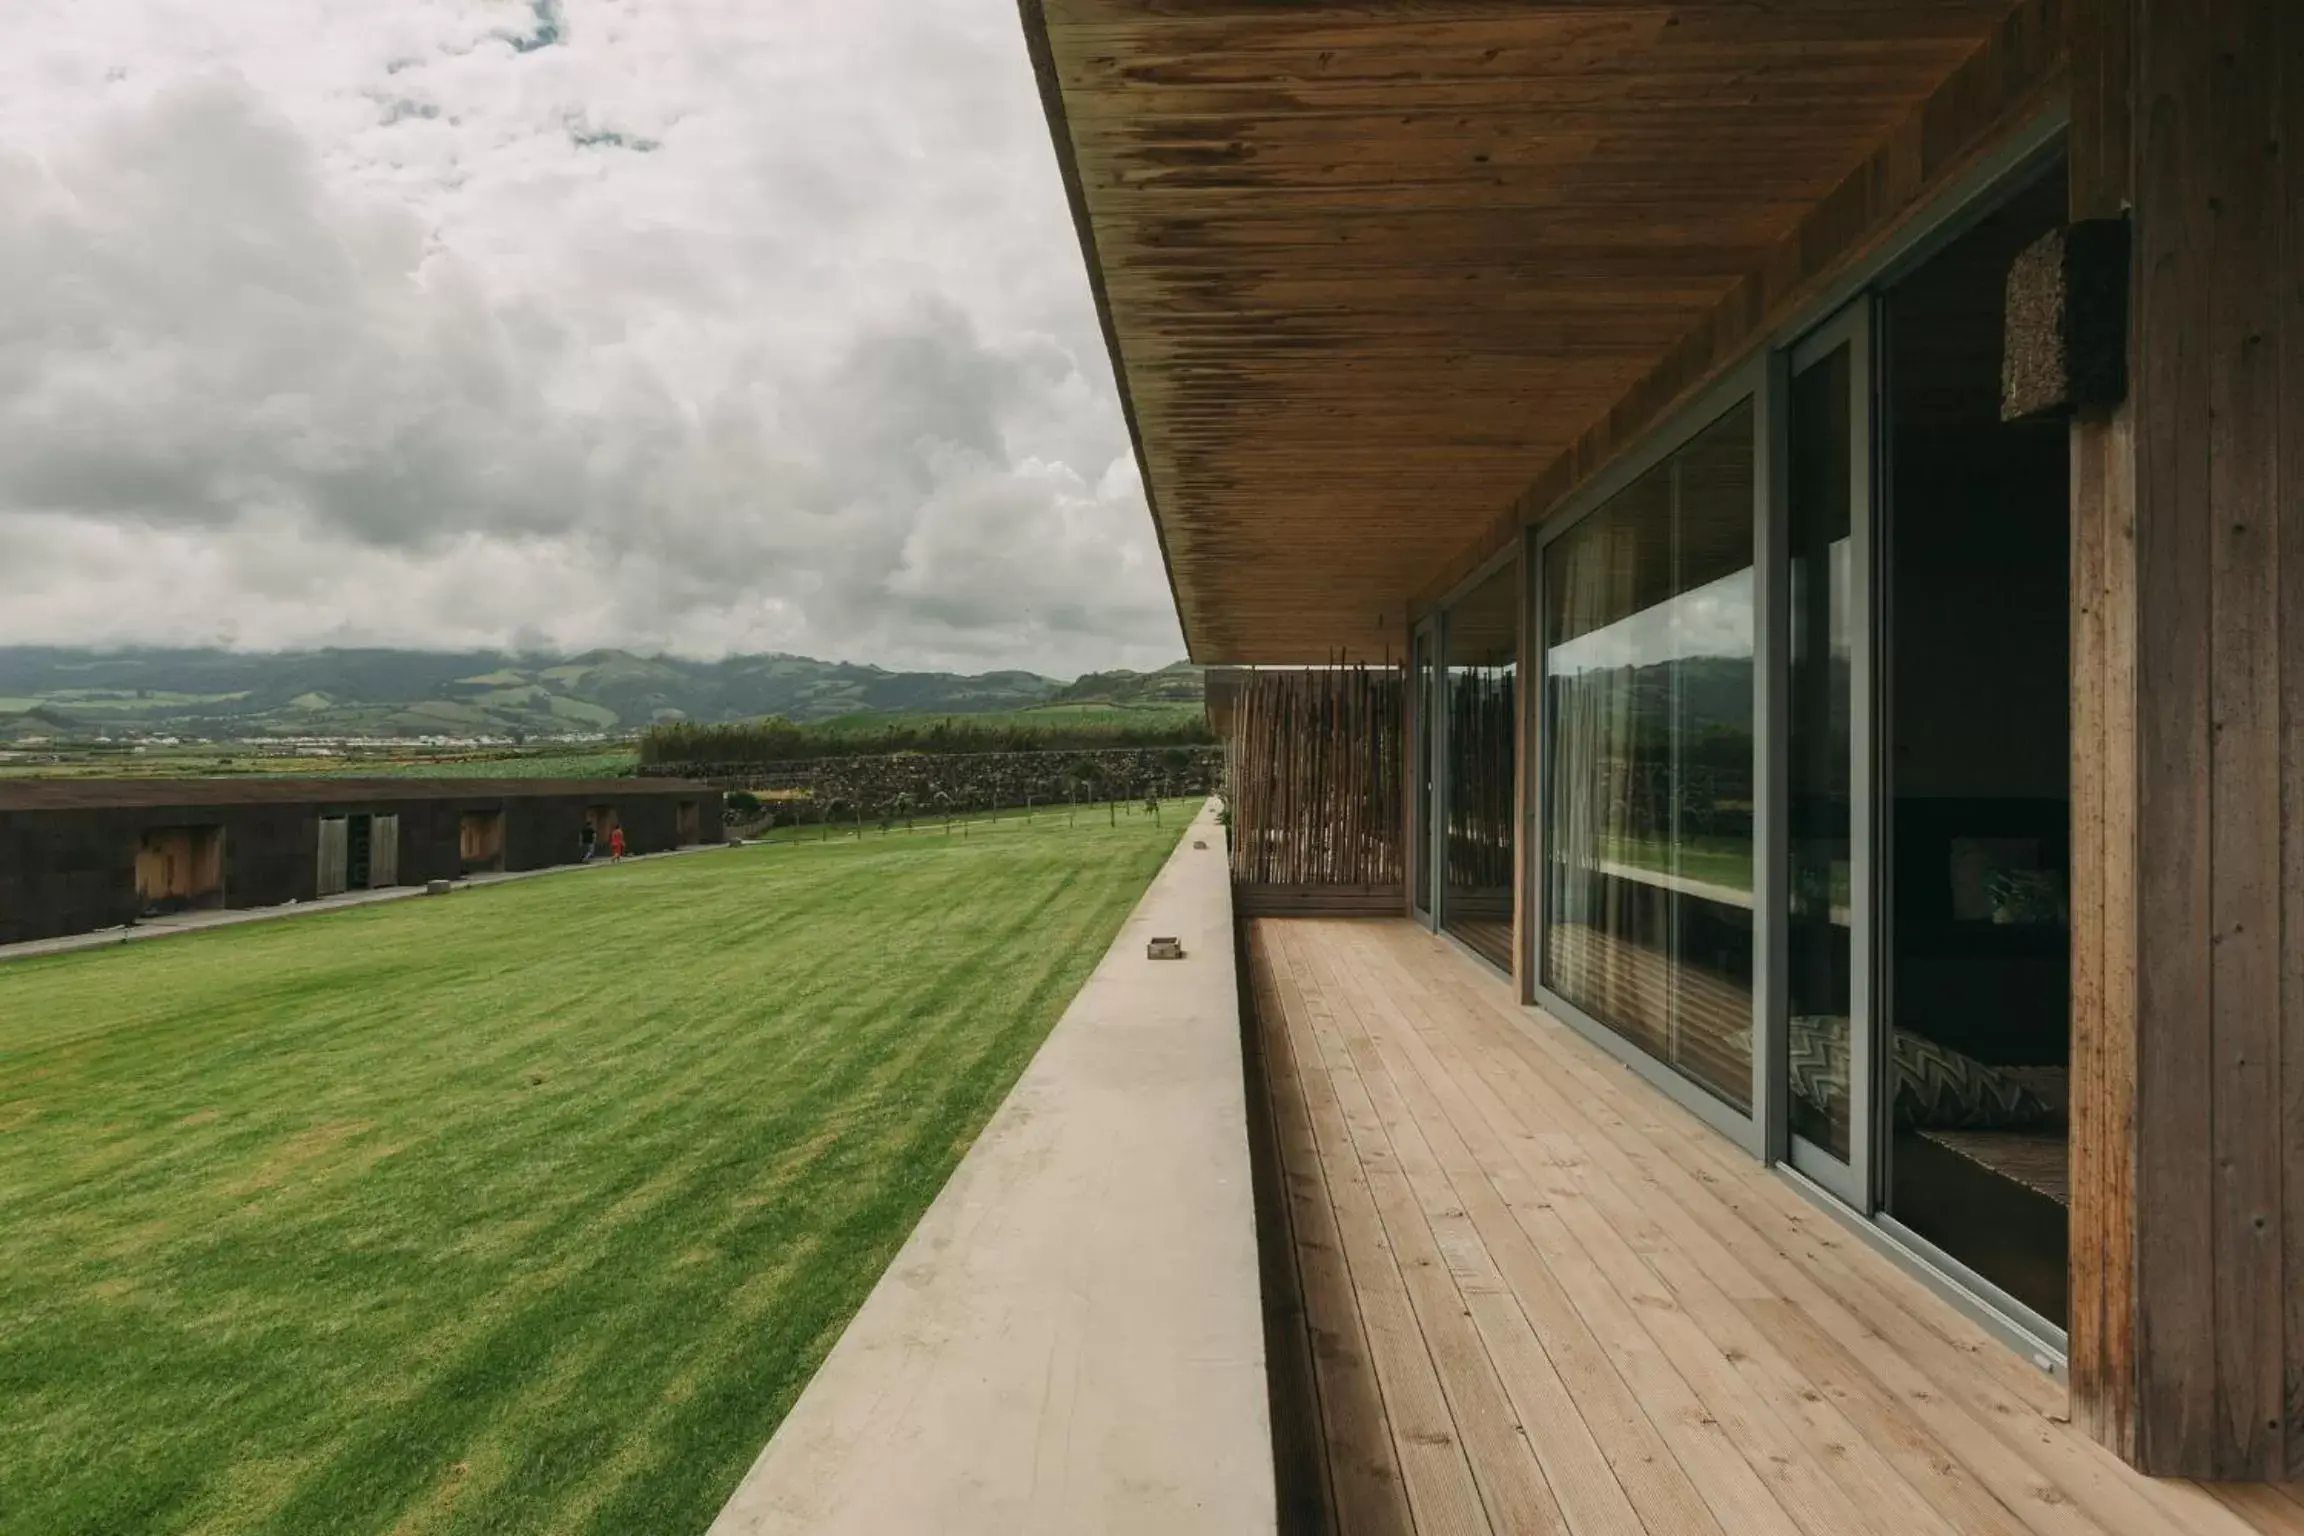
[2188, 750]
[2237, 188]
[2103, 1106]
[2175, 1230]
[2103, 1358]
[2287, 50]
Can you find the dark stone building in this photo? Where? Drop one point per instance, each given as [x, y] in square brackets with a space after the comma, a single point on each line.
[80, 855]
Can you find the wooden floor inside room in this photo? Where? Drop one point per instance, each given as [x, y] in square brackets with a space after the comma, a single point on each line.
[1537, 1296]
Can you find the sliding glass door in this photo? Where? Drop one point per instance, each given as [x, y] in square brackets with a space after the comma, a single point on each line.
[1707, 805]
[1827, 813]
[1480, 635]
[1803, 830]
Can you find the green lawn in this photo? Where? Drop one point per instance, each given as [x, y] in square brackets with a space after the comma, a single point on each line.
[1722, 861]
[1714, 860]
[974, 823]
[530, 1209]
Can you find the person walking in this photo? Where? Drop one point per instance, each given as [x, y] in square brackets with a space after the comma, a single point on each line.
[615, 845]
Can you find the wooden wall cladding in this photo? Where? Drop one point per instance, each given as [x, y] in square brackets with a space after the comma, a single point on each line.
[2188, 770]
[1367, 269]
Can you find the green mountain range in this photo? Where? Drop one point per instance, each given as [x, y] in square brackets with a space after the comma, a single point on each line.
[221, 695]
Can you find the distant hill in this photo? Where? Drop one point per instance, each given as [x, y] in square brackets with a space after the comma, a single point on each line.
[47, 692]
[1177, 683]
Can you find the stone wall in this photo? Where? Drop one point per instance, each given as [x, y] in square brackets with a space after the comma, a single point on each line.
[911, 784]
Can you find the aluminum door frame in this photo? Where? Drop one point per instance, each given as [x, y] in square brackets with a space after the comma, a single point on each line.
[1854, 1181]
[1425, 683]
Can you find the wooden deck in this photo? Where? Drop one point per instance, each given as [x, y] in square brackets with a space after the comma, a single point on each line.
[1538, 1296]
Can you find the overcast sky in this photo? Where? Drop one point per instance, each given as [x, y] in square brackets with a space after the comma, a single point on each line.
[695, 325]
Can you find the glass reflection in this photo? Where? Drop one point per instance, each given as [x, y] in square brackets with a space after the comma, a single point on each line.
[1482, 637]
[1819, 769]
[1649, 656]
[1979, 1001]
[1426, 700]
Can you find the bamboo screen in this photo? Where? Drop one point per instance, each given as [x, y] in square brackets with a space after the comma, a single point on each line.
[1314, 758]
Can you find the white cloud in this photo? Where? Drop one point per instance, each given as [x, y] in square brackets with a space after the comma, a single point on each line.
[645, 322]
[1711, 621]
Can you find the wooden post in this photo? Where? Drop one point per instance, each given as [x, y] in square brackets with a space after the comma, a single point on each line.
[2187, 1335]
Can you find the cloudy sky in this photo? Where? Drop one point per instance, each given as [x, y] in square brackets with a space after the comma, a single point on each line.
[695, 325]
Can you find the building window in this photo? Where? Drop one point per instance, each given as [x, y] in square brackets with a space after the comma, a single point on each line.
[1649, 647]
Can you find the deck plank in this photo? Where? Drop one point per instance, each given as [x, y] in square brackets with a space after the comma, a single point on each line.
[1617, 1322]
[1651, 1477]
[1706, 1446]
[1442, 1495]
[1988, 1378]
[2016, 1484]
[1793, 1442]
[1363, 1489]
[1492, 1262]
[1513, 1487]
[1973, 1369]
[2265, 1506]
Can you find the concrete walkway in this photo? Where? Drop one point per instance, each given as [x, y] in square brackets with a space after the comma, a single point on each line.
[232, 917]
[1072, 1339]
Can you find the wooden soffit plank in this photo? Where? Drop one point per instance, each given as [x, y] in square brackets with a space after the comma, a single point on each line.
[1368, 269]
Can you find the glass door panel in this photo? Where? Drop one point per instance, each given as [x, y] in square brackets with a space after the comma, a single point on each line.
[1481, 639]
[1827, 1056]
[1427, 798]
[1649, 633]
[1976, 808]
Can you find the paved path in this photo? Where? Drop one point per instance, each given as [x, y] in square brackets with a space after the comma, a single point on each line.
[1072, 1339]
[197, 922]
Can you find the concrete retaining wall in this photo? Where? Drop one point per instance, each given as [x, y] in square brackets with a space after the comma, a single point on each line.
[1072, 1339]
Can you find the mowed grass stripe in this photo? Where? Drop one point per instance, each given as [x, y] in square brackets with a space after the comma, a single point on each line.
[528, 1210]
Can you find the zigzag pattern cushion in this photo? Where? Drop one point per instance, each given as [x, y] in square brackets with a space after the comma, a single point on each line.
[1819, 1061]
[1937, 1088]
[1940, 1089]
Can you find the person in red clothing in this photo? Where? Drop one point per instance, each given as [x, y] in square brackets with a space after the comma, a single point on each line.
[615, 845]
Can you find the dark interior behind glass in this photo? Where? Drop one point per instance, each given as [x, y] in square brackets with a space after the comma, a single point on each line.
[1427, 699]
[1819, 942]
[1978, 737]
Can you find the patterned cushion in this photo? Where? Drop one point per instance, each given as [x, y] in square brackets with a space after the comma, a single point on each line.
[1937, 1087]
[1941, 1089]
[1818, 1047]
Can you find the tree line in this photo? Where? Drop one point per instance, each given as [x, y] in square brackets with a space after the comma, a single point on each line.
[777, 740]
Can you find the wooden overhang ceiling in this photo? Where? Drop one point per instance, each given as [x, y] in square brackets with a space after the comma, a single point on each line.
[1368, 268]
